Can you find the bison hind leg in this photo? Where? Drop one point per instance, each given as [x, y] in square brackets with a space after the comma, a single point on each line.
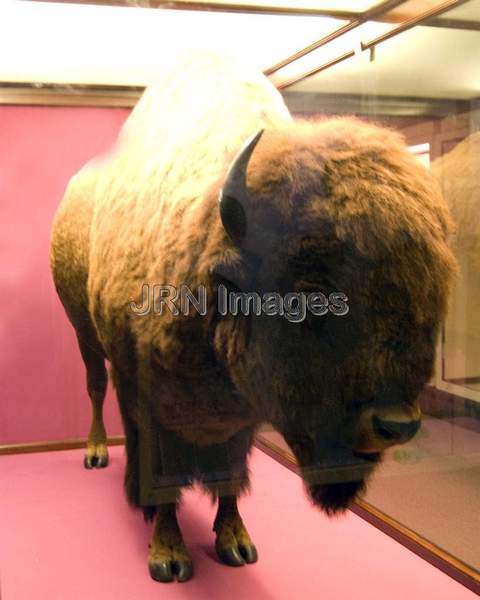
[97, 454]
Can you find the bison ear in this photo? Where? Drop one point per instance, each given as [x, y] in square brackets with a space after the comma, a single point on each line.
[234, 194]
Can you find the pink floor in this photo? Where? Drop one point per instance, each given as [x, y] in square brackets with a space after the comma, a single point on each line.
[67, 534]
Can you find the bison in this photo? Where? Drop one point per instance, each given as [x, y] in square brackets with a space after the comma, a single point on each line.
[212, 183]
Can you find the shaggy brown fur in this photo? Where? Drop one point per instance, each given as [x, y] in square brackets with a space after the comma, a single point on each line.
[336, 205]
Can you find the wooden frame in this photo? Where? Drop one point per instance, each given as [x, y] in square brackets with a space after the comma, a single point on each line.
[47, 94]
[51, 94]
[54, 446]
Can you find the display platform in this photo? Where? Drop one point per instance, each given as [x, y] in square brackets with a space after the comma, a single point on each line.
[68, 533]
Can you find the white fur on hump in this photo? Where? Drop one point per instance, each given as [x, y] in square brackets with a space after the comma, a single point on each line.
[150, 215]
[178, 137]
[200, 97]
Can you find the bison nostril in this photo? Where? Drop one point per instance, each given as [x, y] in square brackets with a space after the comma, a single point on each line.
[395, 431]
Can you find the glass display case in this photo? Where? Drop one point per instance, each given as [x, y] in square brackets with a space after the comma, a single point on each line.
[67, 85]
[400, 79]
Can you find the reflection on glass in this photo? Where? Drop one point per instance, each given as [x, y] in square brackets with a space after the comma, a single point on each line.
[434, 480]
[457, 172]
[399, 66]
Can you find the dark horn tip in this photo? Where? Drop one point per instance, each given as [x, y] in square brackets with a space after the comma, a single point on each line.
[234, 194]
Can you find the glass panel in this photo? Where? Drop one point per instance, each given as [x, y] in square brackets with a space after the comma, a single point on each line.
[461, 347]
[431, 484]
[399, 64]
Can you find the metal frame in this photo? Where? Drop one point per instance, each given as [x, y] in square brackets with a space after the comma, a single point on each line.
[418, 20]
[369, 15]
[371, 44]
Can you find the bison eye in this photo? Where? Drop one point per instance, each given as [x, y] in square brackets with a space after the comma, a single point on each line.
[394, 344]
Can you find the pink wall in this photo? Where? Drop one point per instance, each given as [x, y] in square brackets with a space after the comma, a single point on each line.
[42, 379]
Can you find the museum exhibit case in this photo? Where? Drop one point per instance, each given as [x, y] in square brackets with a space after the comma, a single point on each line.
[355, 75]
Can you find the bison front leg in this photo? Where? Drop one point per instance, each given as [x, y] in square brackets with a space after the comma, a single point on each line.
[168, 557]
[225, 475]
[233, 544]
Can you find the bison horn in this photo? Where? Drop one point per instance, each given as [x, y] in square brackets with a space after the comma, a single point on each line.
[234, 194]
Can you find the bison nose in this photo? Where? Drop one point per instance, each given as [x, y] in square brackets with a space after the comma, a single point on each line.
[395, 432]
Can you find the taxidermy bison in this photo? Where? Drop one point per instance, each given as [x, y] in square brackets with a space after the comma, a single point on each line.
[189, 197]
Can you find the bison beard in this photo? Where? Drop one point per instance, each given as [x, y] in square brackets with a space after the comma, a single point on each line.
[337, 497]
[329, 206]
[333, 475]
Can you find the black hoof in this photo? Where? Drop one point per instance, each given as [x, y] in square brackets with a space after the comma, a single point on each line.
[89, 462]
[249, 553]
[237, 556]
[102, 462]
[183, 570]
[167, 570]
[231, 556]
[161, 571]
[95, 462]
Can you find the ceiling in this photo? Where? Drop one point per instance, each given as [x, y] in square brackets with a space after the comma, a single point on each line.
[74, 43]
[113, 45]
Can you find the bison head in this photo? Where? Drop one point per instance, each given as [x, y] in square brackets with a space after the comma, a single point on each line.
[336, 206]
